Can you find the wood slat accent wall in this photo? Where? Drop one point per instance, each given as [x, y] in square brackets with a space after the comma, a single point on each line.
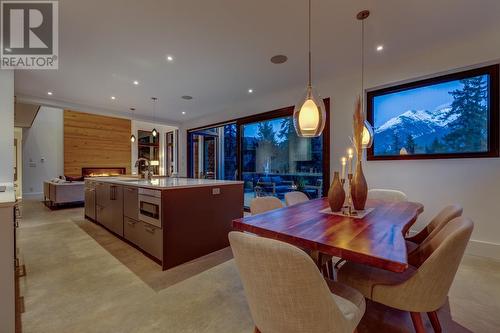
[95, 141]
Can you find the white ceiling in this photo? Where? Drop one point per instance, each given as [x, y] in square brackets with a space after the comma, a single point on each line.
[222, 48]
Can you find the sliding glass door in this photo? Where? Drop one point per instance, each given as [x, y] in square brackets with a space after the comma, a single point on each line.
[276, 161]
[213, 153]
[263, 151]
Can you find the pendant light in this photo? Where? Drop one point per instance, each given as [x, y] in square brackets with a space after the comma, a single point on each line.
[367, 140]
[309, 115]
[154, 132]
[132, 137]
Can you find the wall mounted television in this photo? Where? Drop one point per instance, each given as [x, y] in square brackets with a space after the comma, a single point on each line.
[449, 116]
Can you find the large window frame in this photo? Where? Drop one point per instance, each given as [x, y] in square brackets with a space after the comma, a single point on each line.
[493, 121]
[278, 113]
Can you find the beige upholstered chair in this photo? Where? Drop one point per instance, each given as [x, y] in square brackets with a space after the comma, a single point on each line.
[387, 195]
[295, 197]
[287, 293]
[417, 290]
[264, 204]
[447, 214]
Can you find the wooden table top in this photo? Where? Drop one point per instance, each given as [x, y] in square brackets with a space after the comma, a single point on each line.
[376, 240]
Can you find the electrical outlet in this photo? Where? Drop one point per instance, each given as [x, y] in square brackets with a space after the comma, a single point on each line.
[216, 191]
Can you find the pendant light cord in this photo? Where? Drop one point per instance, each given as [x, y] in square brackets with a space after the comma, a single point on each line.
[363, 64]
[310, 71]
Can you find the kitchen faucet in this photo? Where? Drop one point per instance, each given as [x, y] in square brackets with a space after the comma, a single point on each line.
[148, 173]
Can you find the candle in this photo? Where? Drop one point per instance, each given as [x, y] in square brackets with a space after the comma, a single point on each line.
[350, 154]
[343, 160]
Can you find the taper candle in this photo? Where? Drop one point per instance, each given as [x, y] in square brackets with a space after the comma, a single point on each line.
[350, 154]
[343, 160]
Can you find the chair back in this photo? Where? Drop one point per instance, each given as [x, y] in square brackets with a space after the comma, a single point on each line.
[447, 214]
[295, 197]
[284, 288]
[264, 204]
[387, 195]
[427, 289]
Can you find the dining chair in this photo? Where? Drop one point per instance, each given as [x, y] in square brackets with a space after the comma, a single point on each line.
[447, 214]
[295, 197]
[261, 205]
[387, 195]
[287, 293]
[417, 290]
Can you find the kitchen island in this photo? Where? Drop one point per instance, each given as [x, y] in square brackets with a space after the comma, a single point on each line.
[171, 220]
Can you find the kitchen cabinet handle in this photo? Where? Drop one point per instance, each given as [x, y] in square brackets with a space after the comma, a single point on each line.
[150, 230]
[131, 222]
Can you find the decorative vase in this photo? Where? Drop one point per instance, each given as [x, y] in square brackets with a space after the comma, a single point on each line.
[336, 194]
[359, 188]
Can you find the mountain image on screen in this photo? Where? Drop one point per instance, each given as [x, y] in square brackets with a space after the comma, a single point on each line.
[448, 118]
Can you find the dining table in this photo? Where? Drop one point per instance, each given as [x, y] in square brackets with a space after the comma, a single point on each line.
[376, 239]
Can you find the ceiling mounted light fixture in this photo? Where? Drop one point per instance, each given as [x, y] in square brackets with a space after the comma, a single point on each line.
[136, 83]
[367, 140]
[309, 115]
[154, 132]
[279, 59]
[50, 93]
[113, 98]
[132, 137]
[170, 58]
[250, 91]
[380, 48]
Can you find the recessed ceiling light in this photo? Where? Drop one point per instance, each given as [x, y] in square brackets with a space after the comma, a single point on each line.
[183, 112]
[380, 48]
[136, 83]
[279, 59]
[170, 58]
[250, 91]
[50, 93]
[113, 98]
[187, 97]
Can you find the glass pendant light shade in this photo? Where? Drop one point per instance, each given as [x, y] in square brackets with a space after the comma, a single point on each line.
[132, 138]
[309, 115]
[154, 132]
[367, 140]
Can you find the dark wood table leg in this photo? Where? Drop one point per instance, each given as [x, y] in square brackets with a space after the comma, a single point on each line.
[417, 322]
[433, 317]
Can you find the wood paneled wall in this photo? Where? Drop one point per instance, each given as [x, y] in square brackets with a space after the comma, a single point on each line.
[95, 141]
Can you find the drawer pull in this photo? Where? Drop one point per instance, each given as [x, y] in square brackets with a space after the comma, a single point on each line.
[150, 230]
[131, 222]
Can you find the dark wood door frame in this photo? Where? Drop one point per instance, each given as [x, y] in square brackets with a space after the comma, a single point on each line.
[278, 113]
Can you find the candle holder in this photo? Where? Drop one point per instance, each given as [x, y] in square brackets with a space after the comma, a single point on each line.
[348, 208]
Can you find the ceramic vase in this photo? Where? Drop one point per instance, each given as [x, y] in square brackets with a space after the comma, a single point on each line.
[336, 194]
[359, 188]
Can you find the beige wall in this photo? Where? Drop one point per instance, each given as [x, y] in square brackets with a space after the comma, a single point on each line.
[6, 126]
[473, 183]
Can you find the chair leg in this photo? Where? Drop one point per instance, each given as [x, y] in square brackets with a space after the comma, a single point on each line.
[433, 317]
[417, 322]
[256, 330]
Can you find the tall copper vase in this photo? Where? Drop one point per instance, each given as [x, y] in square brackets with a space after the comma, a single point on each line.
[359, 188]
[336, 194]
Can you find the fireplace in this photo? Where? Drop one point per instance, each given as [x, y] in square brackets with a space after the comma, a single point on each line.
[103, 172]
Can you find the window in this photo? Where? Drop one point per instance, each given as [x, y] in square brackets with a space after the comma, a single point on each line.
[263, 151]
[276, 161]
[449, 116]
[148, 147]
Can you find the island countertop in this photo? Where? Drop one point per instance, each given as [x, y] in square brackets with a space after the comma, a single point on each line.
[164, 183]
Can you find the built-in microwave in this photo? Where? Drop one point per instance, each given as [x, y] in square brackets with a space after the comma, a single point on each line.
[150, 206]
